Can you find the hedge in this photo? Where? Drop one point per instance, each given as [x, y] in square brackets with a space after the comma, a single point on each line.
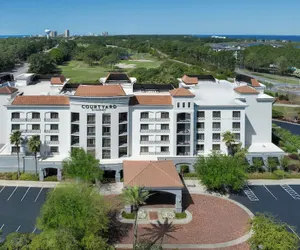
[29, 177]
[51, 178]
[129, 216]
[9, 176]
[180, 215]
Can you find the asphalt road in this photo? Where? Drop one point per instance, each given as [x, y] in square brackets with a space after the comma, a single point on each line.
[20, 70]
[19, 208]
[283, 201]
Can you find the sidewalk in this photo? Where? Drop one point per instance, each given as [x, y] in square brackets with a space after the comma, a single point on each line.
[46, 184]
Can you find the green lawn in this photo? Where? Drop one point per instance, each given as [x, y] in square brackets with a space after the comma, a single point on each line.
[283, 79]
[143, 64]
[289, 112]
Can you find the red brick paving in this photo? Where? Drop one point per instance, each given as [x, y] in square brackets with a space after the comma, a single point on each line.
[153, 215]
[215, 220]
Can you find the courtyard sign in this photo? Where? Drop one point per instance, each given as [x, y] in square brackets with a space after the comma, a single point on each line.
[99, 107]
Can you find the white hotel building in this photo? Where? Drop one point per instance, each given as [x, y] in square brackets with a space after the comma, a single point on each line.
[119, 120]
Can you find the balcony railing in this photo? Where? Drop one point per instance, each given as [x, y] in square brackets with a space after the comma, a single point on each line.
[216, 140]
[106, 156]
[200, 152]
[236, 118]
[236, 129]
[52, 142]
[91, 122]
[183, 120]
[155, 131]
[107, 145]
[33, 119]
[217, 118]
[75, 121]
[154, 142]
[51, 119]
[18, 119]
[183, 153]
[183, 131]
[32, 131]
[216, 129]
[123, 155]
[155, 153]
[75, 144]
[51, 131]
[106, 122]
[122, 132]
[155, 119]
[91, 133]
[106, 134]
[200, 129]
[201, 118]
[183, 143]
[123, 144]
[123, 120]
[200, 140]
[75, 133]
[91, 146]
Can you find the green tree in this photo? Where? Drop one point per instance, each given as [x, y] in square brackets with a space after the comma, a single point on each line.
[16, 241]
[219, 172]
[272, 163]
[257, 163]
[82, 165]
[34, 145]
[41, 63]
[76, 211]
[229, 140]
[135, 197]
[16, 139]
[57, 55]
[109, 61]
[270, 234]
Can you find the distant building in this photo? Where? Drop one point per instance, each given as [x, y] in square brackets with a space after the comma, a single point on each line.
[105, 33]
[53, 34]
[67, 33]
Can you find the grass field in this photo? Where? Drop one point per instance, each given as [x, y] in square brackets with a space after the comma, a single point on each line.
[282, 79]
[289, 112]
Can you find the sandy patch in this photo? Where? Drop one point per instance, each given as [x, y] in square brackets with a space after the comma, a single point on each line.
[141, 60]
[126, 66]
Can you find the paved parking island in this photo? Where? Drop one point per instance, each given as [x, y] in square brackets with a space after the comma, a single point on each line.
[20, 207]
[283, 201]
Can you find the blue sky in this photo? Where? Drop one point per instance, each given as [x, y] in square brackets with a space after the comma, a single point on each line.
[265, 17]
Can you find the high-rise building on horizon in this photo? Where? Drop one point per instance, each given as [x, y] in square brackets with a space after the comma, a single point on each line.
[67, 33]
[53, 34]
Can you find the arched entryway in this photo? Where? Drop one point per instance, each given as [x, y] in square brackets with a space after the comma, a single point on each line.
[109, 176]
[50, 172]
[161, 199]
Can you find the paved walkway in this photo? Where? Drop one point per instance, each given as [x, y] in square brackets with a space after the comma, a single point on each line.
[46, 184]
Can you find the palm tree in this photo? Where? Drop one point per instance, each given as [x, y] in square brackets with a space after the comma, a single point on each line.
[16, 139]
[34, 144]
[135, 196]
[229, 140]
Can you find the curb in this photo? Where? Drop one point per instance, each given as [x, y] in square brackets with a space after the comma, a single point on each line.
[48, 184]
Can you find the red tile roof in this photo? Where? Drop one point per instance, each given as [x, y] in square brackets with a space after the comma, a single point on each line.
[246, 90]
[151, 174]
[100, 90]
[152, 100]
[181, 92]
[6, 90]
[58, 80]
[189, 80]
[41, 100]
[254, 83]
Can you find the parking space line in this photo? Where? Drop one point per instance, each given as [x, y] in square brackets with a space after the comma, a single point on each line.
[2, 189]
[293, 231]
[2, 227]
[18, 228]
[251, 196]
[270, 192]
[34, 230]
[291, 192]
[25, 194]
[38, 195]
[12, 193]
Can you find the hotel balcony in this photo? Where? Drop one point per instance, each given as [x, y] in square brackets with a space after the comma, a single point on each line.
[106, 145]
[91, 134]
[52, 142]
[154, 142]
[123, 144]
[33, 119]
[121, 121]
[200, 140]
[106, 134]
[122, 132]
[183, 131]
[155, 153]
[90, 146]
[236, 118]
[183, 143]
[32, 131]
[236, 129]
[184, 120]
[199, 152]
[51, 119]
[216, 140]
[199, 130]
[52, 131]
[200, 119]
[91, 122]
[75, 121]
[18, 120]
[155, 130]
[216, 118]
[106, 122]
[155, 119]
[216, 129]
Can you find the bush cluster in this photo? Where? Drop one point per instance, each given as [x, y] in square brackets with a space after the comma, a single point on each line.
[29, 177]
[8, 176]
[180, 215]
[51, 178]
[129, 216]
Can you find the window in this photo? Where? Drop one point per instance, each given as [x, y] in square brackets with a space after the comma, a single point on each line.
[53, 115]
[91, 130]
[216, 137]
[164, 138]
[122, 117]
[15, 115]
[200, 125]
[217, 114]
[144, 115]
[200, 147]
[15, 127]
[144, 138]
[236, 114]
[54, 149]
[53, 126]
[201, 114]
[106, 130]
[91, 152]
[183, 104]
[105, 154]
[178, 104]
[74, 117]
[91, 118]
[164, 115]
[189, 104]
[35, 126]
[236, 126]
[237, 136]
[106, 118]
[35, 115]
[144, 126]
[14, 149]
[105, 142]
[216, 147]
[200, 137]
[216, 126]
[164, 126]
[54, 138]
[122, 128]
[144, 149]
[164, 149]
[90, 142]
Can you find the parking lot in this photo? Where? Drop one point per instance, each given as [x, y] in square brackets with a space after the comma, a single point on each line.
[283, 201]
[19, 208]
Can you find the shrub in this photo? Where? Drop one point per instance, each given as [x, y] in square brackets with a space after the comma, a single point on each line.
[280, 174]
[184, 169]
[293, 167]
[188, 175]
[180, 215]
[294, 156]
[51, 178]
[29, 177]
[129, 216]
[277, 114]
[8, 176]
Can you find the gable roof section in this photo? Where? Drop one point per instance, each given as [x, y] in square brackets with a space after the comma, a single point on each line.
[41, 100]
[58, 80]
[189, 80]
[151, 174]
[7, 90]
[181, 92]
[246, 90]
[100, 90]
[152, 100]
[255, 83]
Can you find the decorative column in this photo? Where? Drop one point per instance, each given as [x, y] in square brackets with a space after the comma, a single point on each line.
[59, 174]
[41, 175]
[118, 176]
[178, 205]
